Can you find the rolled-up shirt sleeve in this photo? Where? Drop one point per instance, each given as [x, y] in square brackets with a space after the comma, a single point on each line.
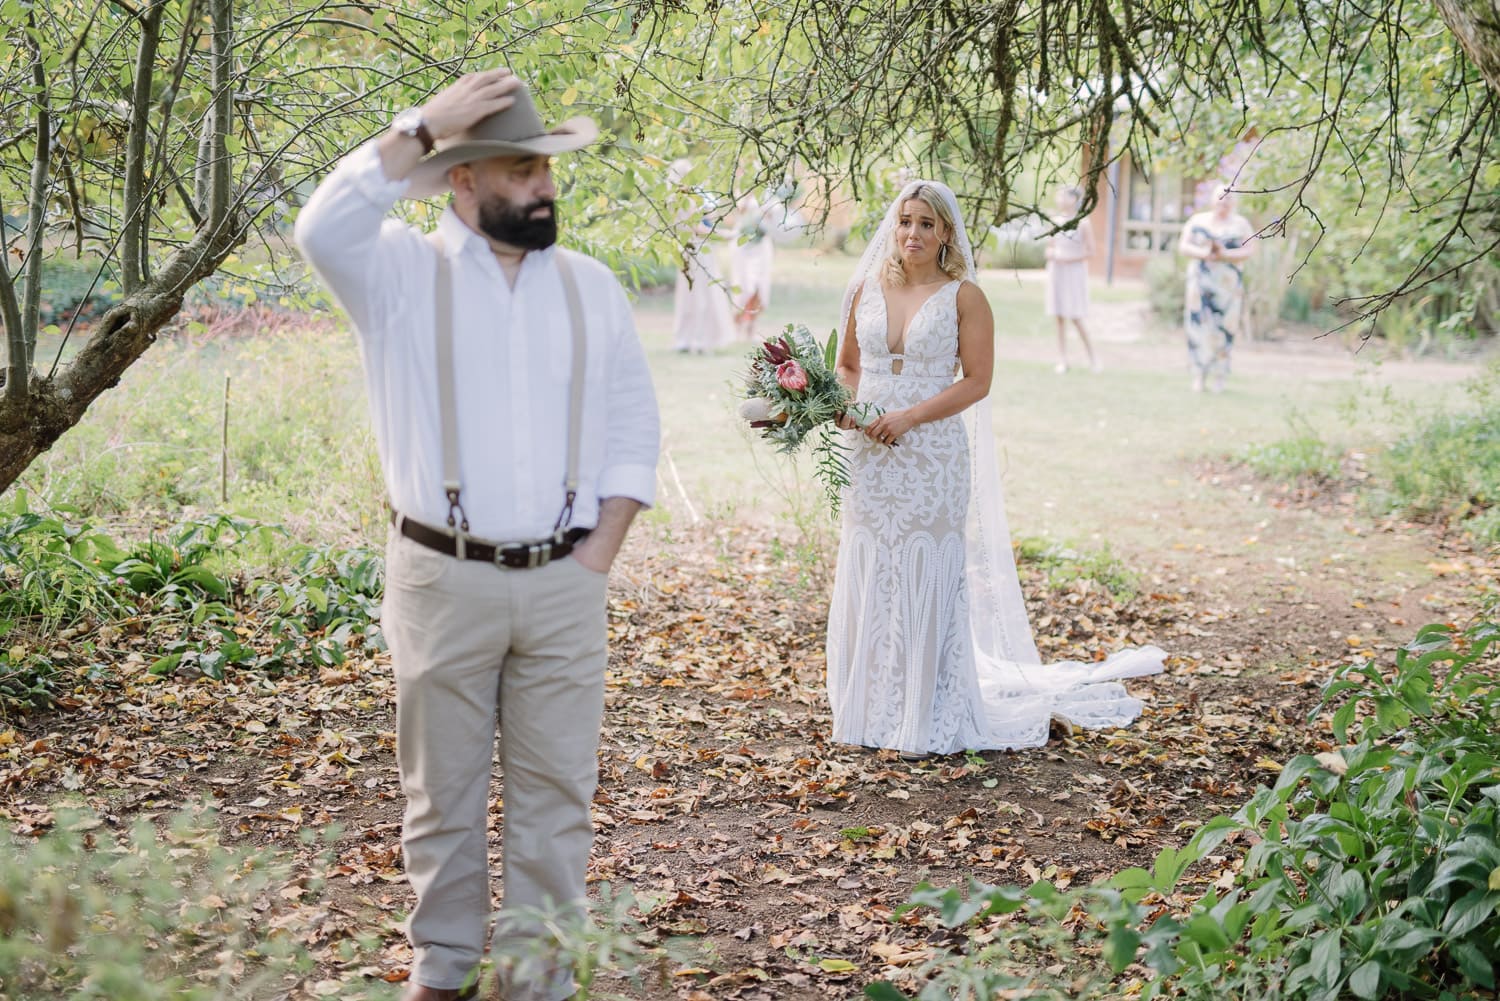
[634, 427]
[346, 235]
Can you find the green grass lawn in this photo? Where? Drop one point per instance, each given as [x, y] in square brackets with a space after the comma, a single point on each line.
[1085, 456]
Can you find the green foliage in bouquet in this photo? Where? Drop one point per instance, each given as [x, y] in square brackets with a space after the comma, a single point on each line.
[792, 393]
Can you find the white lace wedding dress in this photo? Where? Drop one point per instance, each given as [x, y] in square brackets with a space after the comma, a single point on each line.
[911, 666]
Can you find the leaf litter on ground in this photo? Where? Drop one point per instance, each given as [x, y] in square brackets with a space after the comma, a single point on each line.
[723, 805]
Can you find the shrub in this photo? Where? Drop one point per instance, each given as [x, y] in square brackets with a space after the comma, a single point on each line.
[1448, 466]
[1448, 469]
[150, 919]
[1166, 287]
[1021, 253]
[76, 287]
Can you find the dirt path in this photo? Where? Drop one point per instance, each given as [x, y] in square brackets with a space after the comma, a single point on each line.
[779, 857]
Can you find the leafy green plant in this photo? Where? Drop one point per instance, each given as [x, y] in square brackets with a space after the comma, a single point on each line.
[163, 914]
[1303, 455]
[331, 603]
[194, 588]
[1448, 468]
[1019, 939]
[610, 940]
[48, 568]
[1065, 564]
[1371, 871]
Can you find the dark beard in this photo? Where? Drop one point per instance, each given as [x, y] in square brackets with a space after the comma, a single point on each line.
[501, 221]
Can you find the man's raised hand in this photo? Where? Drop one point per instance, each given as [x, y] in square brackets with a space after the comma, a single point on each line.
[468, 99]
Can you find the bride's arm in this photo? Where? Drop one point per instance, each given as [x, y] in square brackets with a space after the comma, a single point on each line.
[846, 367]
[976, 357]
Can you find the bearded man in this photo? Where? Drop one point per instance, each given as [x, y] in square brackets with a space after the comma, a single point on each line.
[518, 435]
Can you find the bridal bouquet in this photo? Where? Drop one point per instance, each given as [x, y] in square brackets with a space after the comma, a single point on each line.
[791, 391]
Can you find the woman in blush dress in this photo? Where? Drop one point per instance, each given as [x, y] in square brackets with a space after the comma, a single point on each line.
[1068, 253]
[929, 649]
[701, 320]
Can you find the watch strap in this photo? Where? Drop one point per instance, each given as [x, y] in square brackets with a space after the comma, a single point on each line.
[424, 136]
[411, 123]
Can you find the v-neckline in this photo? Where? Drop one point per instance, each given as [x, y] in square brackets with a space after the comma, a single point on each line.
[885, 304]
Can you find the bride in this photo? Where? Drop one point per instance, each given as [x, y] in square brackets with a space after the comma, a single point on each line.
[929, 649]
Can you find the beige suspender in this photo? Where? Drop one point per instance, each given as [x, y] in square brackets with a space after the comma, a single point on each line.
[575, 390]
[447, 396]
[458, 522]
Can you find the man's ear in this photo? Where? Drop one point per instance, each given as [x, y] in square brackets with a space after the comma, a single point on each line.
[461, 179]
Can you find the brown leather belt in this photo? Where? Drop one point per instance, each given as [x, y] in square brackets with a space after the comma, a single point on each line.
[516, 555]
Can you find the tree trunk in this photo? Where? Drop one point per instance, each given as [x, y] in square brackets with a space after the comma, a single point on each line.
[222, 48]
[36, 218]
[1476, 24]
[134, 241]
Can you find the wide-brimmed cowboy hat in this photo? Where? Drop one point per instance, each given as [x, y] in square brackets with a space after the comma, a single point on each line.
[516, 131]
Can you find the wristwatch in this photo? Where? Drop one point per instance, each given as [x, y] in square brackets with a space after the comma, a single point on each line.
[410, 123]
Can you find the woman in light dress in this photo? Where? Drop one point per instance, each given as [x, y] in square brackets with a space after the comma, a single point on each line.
[1068, 253]
[1216, 242]
[701, 320]
[929, 649]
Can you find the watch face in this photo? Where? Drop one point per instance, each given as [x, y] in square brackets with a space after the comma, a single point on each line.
[408, 122]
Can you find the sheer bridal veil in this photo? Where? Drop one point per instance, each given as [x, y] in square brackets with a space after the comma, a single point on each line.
[1020, 693]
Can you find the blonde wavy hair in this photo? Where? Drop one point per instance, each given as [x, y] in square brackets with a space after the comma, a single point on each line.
[953, 264]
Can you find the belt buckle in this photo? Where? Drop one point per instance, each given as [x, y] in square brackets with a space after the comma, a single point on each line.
[534, 554]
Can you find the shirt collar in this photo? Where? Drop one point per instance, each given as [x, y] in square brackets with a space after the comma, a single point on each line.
[460, 239]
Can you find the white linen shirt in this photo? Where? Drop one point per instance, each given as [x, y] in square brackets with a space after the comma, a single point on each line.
[512, 359]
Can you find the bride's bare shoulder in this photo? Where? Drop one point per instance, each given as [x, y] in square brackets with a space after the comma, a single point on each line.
[971, 295]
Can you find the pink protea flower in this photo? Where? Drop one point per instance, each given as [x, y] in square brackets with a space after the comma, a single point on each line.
[777, 351]
[791, 376]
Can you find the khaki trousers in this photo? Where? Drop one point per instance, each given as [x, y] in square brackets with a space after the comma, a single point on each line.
[466, 638]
